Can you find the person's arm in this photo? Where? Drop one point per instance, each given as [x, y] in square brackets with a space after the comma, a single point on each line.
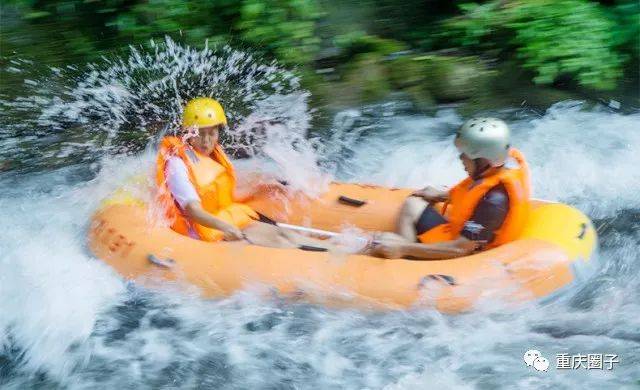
[196, 213]
[459, 247]
[486, 219]
[432, 194]
[187, 198]
[488, 216]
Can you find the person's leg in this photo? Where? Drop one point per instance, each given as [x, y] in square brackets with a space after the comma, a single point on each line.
[416, 217]
[264, 234]
[390, 237]
[411, 211]
[299, 239]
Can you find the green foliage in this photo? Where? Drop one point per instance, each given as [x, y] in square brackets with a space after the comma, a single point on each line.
[475, 28]
[566, 37]
[282, 28]
[286, 28]
[583, 39]
[627, 33]
[412, 21]
[365, 79]
[452, 78]
[550, 37]
[194, 20]
[358, 42]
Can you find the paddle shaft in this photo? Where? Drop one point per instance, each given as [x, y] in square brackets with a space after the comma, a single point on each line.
[317, 232]
[302, 229]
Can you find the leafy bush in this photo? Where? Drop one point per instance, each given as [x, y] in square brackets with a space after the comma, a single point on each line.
[550, 37]
[358, 42]
[627, 33]
[583, 39]
[286, 28]
[195, 20]
[283, 28]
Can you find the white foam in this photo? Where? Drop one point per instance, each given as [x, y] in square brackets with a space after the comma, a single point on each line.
[57, 305]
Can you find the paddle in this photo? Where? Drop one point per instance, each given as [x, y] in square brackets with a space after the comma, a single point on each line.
[308, 230]
[312, 231]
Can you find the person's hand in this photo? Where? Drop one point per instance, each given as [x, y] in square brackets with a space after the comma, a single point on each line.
[388, 250]
[463, 246]
[431, 194]
[231, 233]
[469, 246]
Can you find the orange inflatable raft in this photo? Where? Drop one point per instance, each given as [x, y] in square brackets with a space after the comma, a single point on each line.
[553, 252]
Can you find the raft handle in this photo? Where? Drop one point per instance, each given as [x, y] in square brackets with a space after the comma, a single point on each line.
[450, 280]
[351, 201]
[155, 260]
[583, 230]
[311, 248]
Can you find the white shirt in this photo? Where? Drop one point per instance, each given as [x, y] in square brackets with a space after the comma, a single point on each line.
[180, 186]
[178, 182]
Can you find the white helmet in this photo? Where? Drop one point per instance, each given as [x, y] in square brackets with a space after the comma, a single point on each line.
[484, 138]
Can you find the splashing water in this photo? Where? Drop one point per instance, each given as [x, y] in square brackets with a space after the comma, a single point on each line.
[69, 321]
[120, 104]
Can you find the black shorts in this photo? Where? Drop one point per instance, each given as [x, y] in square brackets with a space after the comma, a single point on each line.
[429, 219]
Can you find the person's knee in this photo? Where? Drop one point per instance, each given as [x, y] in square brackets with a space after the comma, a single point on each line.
[412, 208]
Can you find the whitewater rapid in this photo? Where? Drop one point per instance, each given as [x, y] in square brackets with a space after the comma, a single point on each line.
[68, 321]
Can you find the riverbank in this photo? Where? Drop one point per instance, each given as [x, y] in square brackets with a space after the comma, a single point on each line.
[499, 54]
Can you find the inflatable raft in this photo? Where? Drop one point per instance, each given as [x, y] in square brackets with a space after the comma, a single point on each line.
[554, 251]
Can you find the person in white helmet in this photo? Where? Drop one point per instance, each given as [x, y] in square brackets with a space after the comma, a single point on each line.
[485, 210]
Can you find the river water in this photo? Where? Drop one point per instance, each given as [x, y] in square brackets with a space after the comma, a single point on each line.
[70, 136]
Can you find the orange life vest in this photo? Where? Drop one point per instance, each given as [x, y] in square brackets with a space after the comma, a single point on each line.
[213, 178]
[465, 196]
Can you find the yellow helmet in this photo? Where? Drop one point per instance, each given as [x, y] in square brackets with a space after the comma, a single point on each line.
[203, 112]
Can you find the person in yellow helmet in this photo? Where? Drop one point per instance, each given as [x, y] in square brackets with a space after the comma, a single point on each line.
[196, 183]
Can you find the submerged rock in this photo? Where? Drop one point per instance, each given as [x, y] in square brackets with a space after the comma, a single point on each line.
[366, 79]
[420, 97]
[450, 78]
